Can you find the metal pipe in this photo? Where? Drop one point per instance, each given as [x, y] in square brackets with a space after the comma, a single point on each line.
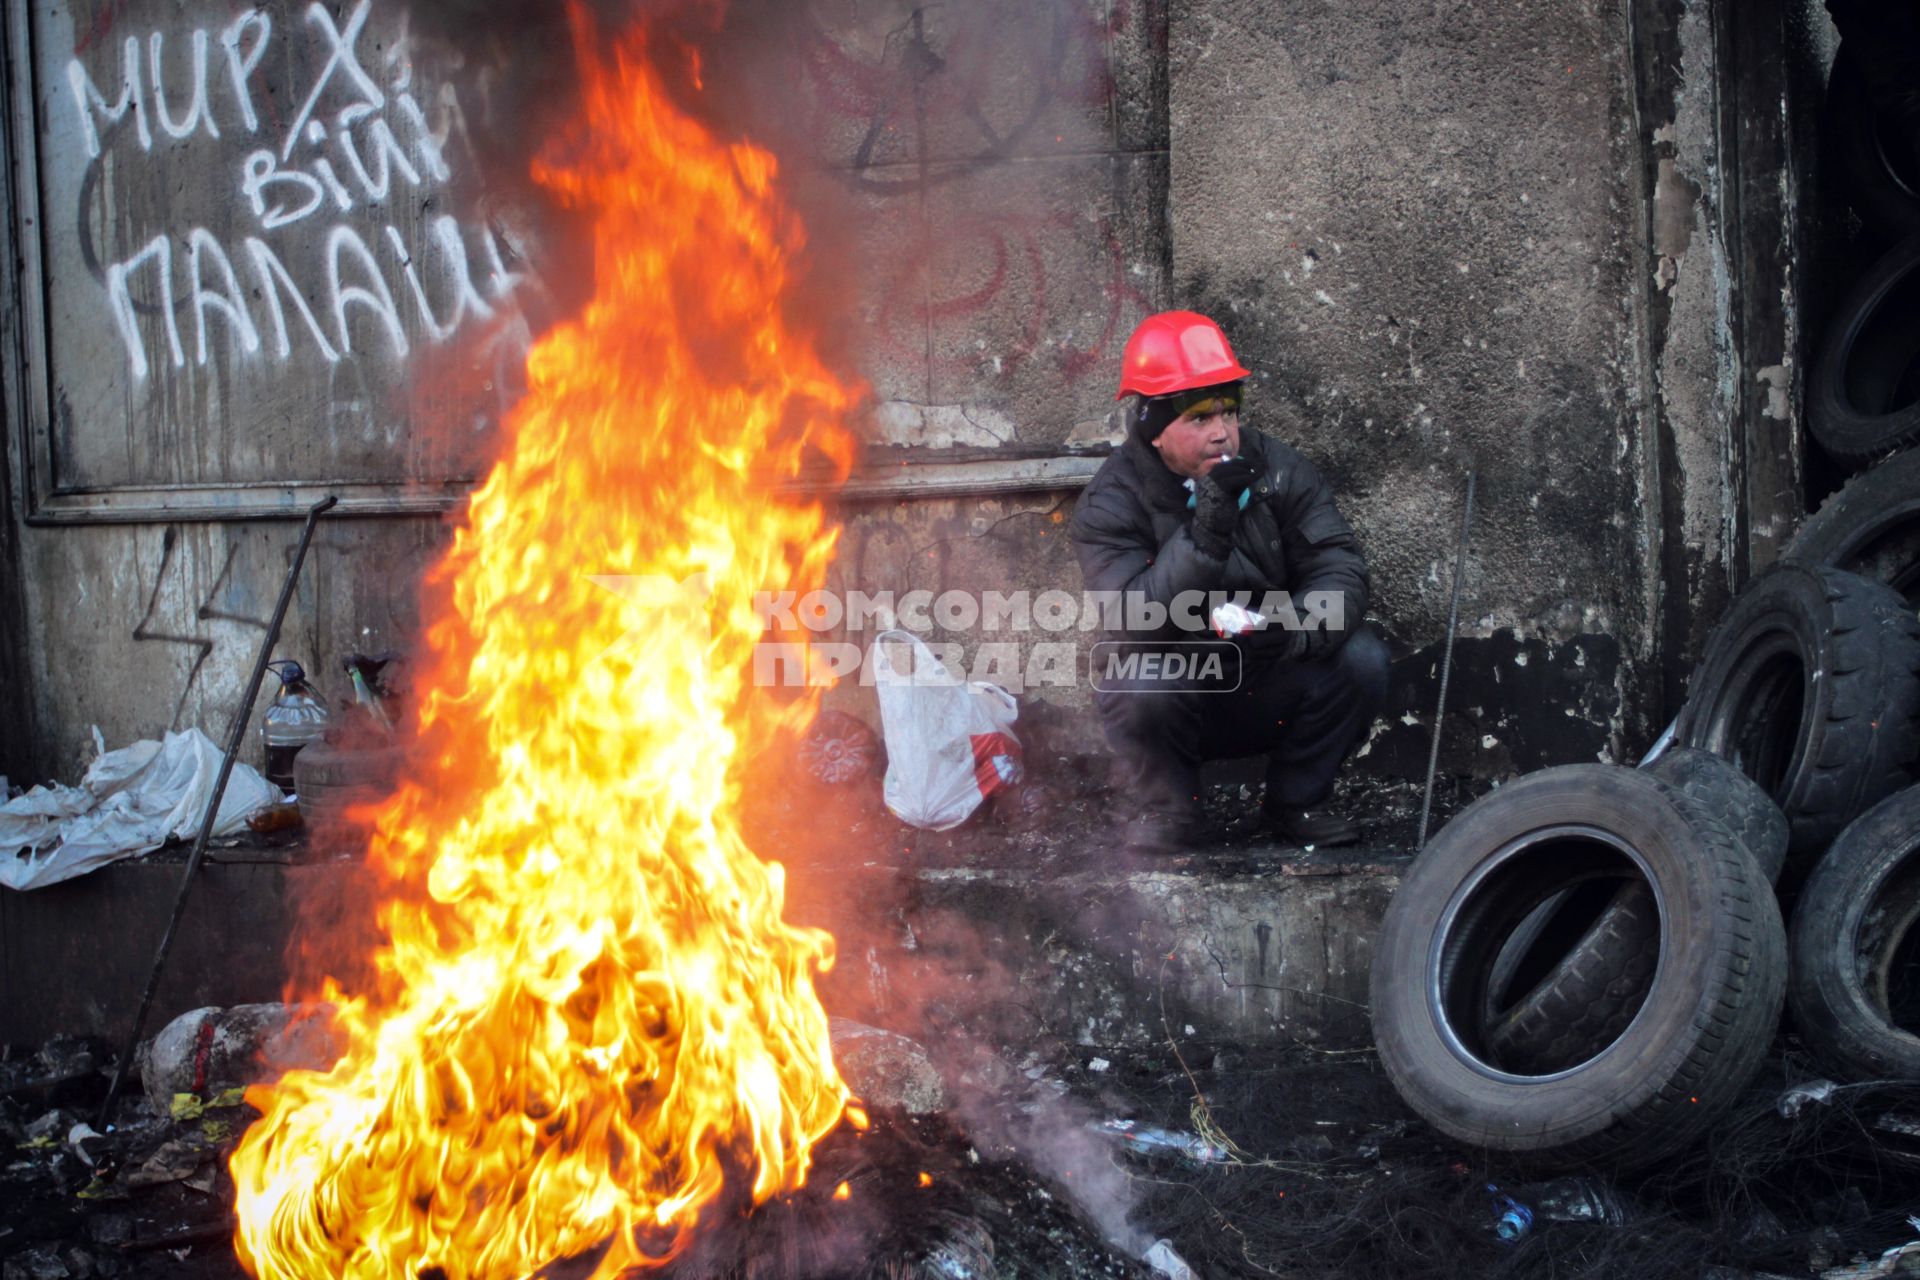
[1661, 743]
[1446, 663]
[235, 734]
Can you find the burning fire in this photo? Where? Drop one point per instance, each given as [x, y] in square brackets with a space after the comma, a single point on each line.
[591, 1016]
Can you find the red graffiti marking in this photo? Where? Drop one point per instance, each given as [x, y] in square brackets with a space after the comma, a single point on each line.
[947, 95]
[965, 99]
[101, 26]
[1014, 252]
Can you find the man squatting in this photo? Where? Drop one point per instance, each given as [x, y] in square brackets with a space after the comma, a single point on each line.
[1194, 502]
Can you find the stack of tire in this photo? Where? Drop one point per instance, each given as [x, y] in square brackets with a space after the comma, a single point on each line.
[1853, 980]
[1590, 963]
[1863, 395]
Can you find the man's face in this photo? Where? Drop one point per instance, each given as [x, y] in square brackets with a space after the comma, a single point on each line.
[1194, 443]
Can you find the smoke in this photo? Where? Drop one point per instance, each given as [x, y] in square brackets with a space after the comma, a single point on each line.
[1054, 1133]
[950, 983]
[949, 961]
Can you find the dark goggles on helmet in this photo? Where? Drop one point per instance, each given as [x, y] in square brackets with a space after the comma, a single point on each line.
[1200, 402]
[1154, 415]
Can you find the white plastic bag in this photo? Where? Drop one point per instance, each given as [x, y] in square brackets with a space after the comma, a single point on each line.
[950, 743]
[129, 803]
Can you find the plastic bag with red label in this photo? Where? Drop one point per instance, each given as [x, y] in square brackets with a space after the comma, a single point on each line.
[950, 742]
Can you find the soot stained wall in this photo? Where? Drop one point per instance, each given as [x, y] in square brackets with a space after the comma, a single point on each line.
[1420, 222]
[1495, 237]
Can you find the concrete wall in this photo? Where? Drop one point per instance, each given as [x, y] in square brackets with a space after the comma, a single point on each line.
[1470, 237]
[992, 177]
[1277, 955]
[1421, 222]
[142, 629]
[1559, 245]
[1728, 98]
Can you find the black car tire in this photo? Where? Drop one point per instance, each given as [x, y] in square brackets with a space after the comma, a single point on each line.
[1880, 176]
[1850, 967]
[1590, 994]
[1717, 791]
[1693, 1044]
[1809, 687]
[1871, 527]
[1863, 398]
[1588, 997]
[332, 783]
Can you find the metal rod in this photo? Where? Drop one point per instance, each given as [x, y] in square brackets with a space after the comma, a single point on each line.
[1661, 743]
[235, 734]
[1446, 663]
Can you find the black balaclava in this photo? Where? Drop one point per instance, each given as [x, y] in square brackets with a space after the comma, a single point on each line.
[1150, 415]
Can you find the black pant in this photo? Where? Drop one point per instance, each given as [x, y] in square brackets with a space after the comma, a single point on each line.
[1307, 717]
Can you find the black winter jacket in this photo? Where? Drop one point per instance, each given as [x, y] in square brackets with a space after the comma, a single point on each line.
[1132, 530]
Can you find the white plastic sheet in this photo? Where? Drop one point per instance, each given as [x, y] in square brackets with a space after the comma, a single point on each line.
[950, 743]
[130, 802]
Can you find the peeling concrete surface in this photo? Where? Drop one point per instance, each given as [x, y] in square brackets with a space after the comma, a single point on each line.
[1697, 369]
[1273, 953]
[941, 426]
[1728, 104]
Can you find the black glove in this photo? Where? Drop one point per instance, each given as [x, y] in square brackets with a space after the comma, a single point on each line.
[1235, 475]
[1216, 504]
[1321, 643]
[1275, 643]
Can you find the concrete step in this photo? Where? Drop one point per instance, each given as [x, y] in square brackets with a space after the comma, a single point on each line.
[1251, 945]
[75, 956]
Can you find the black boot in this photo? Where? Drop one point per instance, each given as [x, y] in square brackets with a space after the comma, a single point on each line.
[1312, 827]
[1160, 833]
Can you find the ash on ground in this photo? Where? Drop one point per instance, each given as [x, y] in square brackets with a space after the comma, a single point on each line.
[903, 1198]
[1242, 1163]
[1334, 1177]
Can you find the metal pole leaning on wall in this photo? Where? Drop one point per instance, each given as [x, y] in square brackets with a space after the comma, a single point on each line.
[1446, 662]
[236, 733]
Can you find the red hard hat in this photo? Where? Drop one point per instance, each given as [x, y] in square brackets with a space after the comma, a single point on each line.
[1176, 351]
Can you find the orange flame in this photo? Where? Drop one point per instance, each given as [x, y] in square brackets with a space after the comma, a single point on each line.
[590, 1011]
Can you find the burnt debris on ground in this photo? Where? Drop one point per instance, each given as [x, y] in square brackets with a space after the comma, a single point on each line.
[905, 1196]
[1310, 1166]
[1241, 1162]
[149, 1196]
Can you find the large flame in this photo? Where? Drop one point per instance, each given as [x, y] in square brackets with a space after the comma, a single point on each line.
[591, 1013]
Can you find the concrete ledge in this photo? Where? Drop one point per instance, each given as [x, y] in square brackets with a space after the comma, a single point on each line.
[1247, 946]
[1253, 946]
[75, 957]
